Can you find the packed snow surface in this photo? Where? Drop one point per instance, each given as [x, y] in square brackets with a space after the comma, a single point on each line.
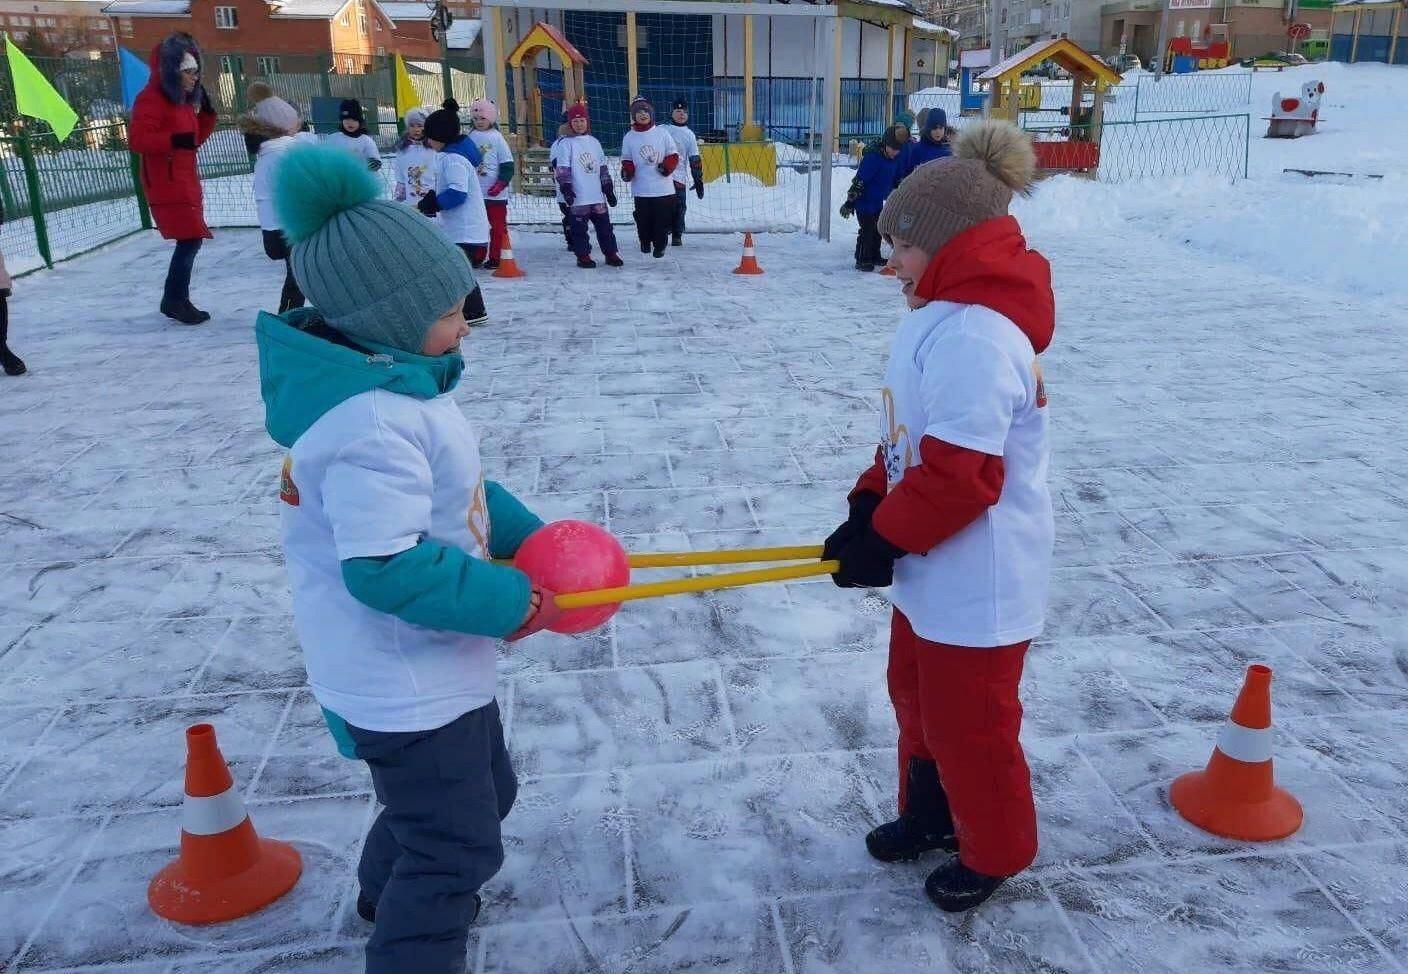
[1227, 394]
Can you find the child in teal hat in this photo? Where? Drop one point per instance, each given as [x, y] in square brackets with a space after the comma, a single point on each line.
[389, 531]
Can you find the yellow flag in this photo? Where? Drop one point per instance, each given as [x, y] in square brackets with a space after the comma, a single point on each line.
[35, 96]
[406, 97]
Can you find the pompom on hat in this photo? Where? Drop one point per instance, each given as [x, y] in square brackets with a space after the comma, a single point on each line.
[375, 269]
[992, 160]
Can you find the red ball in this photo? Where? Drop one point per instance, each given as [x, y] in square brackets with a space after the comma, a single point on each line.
[575, 556]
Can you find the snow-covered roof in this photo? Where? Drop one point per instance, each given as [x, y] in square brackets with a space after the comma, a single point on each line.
[307, 9]
[413, 12]
[928, 28]
[148, 8]
[463, 34]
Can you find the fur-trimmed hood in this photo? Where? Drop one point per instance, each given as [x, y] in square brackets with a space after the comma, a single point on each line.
[249, 125]
[165, 62]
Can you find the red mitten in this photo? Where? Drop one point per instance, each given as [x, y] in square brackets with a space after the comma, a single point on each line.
[628, 171]
[497, 188]
[542, 612]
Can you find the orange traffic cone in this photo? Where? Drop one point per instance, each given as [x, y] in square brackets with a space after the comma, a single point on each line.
[508, 267]
[1236, 796]
[225, 870]
[749, 264]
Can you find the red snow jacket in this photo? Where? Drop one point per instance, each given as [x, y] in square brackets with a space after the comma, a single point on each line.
[987, 265]
[169, 175]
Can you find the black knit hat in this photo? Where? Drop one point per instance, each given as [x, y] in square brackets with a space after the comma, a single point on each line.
[350, 108]
[443, 124]
[679, 105]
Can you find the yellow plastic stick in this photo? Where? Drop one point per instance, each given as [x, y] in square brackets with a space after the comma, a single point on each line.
[705, 583]
[740, 556]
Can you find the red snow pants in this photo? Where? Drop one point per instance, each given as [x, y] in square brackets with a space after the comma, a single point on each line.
[957, 706]
[498, 226]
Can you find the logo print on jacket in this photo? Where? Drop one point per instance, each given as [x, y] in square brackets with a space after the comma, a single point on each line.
[587, 161]
[650, 154]
[288, 490]
[897, 450]
[479, 518]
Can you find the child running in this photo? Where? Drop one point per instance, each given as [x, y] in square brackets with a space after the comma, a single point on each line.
[648, 160]
[388, 529]
[872, 185]
[456, 201]
[352, 134]
[688, 145]
[584, 180]
[274, 127]
[495, 173]
[955, 512]
[415, 161]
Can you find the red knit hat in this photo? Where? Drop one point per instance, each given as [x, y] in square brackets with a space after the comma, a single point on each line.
[578, 110]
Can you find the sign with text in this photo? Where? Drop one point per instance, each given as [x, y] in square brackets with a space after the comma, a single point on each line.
[1189, 4]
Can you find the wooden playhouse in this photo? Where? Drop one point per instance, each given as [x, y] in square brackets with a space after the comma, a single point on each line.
[1077, 148]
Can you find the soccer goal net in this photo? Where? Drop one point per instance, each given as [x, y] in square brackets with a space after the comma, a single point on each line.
[753, 91]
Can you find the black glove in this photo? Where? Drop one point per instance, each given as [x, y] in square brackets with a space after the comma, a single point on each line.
[699, 188]
[663, 169]
[847, 211]
[611, 197]
[183, 140]
[429, 204]
[867, 561]
[863, 507]
[374, 165]
[569, 195]
[205, 104]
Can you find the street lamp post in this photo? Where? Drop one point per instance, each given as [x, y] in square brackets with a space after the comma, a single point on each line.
[440, 21]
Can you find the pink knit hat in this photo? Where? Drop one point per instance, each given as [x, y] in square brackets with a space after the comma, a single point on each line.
[485, 109]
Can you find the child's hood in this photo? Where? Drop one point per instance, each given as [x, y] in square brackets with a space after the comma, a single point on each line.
[303, 375]
[991, 265]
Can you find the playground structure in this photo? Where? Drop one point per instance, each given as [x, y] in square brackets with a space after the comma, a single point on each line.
[1293, 117]
[528, 94]
[1212, 50]
[1079, 150]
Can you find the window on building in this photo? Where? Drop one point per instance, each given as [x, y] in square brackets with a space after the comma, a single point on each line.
[226, 18]
[361, 22]
[348, 66]
[267, 65]
[124, 24]
[231, 64]
[346, 19]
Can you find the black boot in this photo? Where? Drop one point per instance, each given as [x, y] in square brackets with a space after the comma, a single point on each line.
[184, 312]
[677, 240]
[954, 887]
[659, 252]
[925, 825]
[9, 361]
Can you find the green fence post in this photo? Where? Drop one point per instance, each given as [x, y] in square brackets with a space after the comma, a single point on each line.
[324, 74]
[1246, 146]
[36, 199]
[728, 167]
[144, 212]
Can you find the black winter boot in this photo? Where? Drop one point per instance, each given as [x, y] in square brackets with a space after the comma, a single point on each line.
[184, 312]
[954, 887]
[925, 825]
[9, 361]
[677, 240]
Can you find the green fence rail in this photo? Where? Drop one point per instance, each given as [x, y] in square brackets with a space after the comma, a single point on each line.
[1162, 147]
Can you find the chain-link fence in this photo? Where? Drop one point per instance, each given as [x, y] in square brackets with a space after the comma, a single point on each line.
[1149, 148]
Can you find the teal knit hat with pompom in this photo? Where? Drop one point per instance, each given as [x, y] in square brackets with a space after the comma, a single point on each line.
[375, 269]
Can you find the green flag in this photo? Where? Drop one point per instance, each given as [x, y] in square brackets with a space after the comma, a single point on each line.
[35, 96]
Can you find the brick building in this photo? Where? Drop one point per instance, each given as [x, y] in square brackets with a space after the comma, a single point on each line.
[269, 36]
[1254, 27]
[66, 27]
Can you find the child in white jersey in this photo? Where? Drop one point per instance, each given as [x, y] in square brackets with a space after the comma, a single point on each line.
[415, 161]
[648, 160]
[689, 170]
[956, 513]
[273, 127]
[495, 173]
[457, 203]
[352, 135]
[584, 180]
[389, 530]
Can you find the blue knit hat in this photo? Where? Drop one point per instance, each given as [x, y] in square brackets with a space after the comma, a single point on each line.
[375, 269]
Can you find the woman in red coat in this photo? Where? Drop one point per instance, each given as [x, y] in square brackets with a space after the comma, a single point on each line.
[171, 118]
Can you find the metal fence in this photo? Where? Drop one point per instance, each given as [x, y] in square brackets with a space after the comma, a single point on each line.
[1151, 148]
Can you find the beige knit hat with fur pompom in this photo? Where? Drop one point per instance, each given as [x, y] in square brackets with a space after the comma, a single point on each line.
[941, 199]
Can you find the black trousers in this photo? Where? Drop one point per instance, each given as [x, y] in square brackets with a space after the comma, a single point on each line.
[474, 300]
[436, 841]
[177, 289]
[655, 217]
[868, 240]
[605, 235]
[681, 205]
[566, 223]
[276, 248]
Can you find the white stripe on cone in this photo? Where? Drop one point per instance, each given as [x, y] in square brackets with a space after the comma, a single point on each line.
[213, 815]
[1249, 744]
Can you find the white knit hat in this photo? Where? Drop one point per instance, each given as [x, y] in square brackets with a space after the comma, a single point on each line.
[189, 62]
[277, 114]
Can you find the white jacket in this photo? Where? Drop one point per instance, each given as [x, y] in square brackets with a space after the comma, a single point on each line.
[266, 163]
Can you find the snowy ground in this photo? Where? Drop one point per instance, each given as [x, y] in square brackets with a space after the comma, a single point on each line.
[698, 776]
